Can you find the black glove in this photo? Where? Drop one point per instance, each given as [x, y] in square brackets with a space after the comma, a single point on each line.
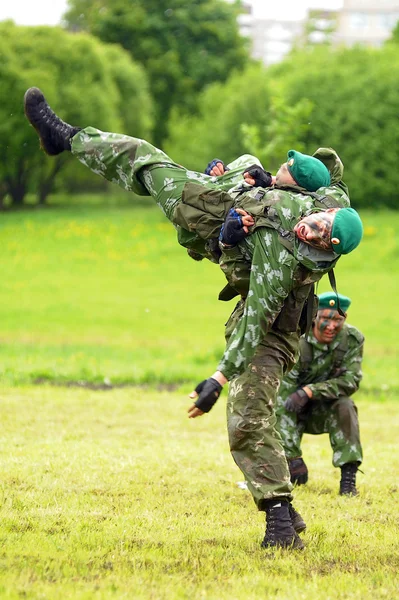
[296, 401]
[212, 164]
[232, 230]
[209, 391]
[262, 178]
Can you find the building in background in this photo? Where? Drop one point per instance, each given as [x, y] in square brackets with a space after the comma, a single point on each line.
[366, 22]
[320, 26]
[273, 39]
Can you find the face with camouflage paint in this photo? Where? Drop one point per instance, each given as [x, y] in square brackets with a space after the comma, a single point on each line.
[327, 325]
[315, 229]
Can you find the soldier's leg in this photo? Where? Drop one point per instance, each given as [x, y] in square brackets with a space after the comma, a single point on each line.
[291, 428]
[344, 433]
[120, 158]
[339, 419]
[256, 445]
[343, 428]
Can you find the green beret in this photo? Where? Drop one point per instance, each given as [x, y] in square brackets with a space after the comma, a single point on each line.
[309, 172]
[347, 231]
[329, 300]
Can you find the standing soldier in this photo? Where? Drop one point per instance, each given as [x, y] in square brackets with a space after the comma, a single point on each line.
[315, 396]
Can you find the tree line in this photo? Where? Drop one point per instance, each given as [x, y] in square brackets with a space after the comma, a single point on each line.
[178, 73]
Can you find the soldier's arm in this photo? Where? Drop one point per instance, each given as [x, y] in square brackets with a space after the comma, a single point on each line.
[290, 383]
[270, 283]
[347, 380]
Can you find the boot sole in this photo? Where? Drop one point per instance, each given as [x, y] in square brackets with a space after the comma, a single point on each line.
[33, 97]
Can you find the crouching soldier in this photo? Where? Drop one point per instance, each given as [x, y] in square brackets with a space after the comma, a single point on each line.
[315, 396]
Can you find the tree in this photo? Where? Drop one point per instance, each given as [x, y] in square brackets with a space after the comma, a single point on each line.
[355, 100]
[394, 39]
[184, 45]
[285, 129]
[74, 71]
[217, 130]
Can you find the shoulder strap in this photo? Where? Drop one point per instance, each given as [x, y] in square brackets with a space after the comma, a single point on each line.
[340, 350]
[333, 283]
[323, 201]
[310, 305]
[305, 355]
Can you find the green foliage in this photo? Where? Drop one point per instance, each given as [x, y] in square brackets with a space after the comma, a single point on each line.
[183, 45]
[116, 494]
[96, 292]
[319, 27]
[85, 81]
[355, 96]
[216, 131]
[395, 35]
[286, 128]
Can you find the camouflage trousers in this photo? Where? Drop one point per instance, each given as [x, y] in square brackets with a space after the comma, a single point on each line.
[120, 158]
[255, 443]
[337, 418]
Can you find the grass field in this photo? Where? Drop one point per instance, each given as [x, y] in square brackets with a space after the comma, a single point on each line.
[114, 493]
[96, 293]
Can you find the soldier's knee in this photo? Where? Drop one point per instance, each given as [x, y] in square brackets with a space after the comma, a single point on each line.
[347, 418]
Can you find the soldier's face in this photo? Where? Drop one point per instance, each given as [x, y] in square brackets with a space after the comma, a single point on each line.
[327, 325]
[315, 229]
[284, 177]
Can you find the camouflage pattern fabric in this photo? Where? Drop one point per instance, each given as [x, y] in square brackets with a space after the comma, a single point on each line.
[119, 158]
[255, 443]
[331, 409]
[262, 345]
[138, 166]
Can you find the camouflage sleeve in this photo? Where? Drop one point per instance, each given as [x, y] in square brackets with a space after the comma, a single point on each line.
[237, 269]
[290, 383]
[270, 283]
[347, 381]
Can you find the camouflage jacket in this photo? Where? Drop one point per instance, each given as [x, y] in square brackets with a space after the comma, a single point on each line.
[273, 270]
[287, 205]
[327, 378]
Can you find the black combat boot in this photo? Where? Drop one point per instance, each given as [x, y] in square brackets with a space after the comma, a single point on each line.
[280, 532]
[347, 486]
[298, 470]
[297, 521]
[55, 135]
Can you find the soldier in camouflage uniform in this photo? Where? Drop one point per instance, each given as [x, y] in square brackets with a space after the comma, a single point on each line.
[296, 237]
[315, 396]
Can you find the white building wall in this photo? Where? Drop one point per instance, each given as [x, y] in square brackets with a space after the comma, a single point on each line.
[367, 22]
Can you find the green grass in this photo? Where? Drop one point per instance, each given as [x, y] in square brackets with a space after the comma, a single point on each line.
[116, 494]
[95, 293]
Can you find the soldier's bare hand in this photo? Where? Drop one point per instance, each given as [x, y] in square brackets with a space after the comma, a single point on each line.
[194, 412]
[247, 219]
[248, 179]
[218, 170]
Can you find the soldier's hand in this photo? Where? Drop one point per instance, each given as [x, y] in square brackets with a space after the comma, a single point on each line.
[296, 401]
[206, 392]
[216, 168]
[234, 228]
[258, 177]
